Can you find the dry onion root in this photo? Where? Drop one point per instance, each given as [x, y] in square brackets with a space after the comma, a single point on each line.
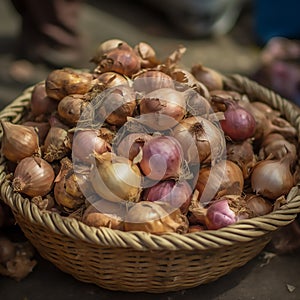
[139, 143]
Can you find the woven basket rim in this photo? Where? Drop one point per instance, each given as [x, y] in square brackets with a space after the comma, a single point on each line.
[242, 231]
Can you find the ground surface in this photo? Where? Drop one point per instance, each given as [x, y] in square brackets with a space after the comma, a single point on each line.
[235, 52]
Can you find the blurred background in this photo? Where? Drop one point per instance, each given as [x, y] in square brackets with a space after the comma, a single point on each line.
[219, 34]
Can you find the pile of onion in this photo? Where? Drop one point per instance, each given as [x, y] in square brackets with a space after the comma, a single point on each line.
[139, 143]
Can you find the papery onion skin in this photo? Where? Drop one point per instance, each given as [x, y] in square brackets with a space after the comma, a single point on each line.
[223, 178]
[162, 109]
[19, 141]
[200, 139]
[115, 178]
[66, 81]
[177, 193]
[104, 213]
[162, 158]
[258, 205]
[156, 218]
[87, 142]
[131, 144]
[272, 178]
[33, 176]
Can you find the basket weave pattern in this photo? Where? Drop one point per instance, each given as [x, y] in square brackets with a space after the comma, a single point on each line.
[138, 261]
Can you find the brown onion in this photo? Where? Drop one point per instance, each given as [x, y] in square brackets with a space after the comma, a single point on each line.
[224, 178]
[150, 80]
[104, 213]
[70, 108]
[272, 178]
[155, 217]
[122, 60]
[40, 103]
[19, 141]
[201, 140]
[177, 193]
[209, 77]
[131, 144]
[112, 79]
[42, 129]
[57, 144]
[67, 190]
[258, 205]
[147, 55]
[162, 109]
[33, 176]
[63, 82]
[243, 155]
[162, 158]
[119, 103]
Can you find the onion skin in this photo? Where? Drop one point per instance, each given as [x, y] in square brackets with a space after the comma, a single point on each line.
[223, 178]
[156, 218]
[33, 176]
[115, 178]
[162, 158]
[259, 206]
[272, 178]
[105, 214]
[19, 141]
[177, 194]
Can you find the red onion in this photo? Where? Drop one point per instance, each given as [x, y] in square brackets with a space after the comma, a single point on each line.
[162, 158]
[239, 124]
[178, 194]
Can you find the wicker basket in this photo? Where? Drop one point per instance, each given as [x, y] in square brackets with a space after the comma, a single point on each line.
[137, 261]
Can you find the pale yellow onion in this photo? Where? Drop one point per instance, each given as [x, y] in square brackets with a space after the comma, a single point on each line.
[115, 178]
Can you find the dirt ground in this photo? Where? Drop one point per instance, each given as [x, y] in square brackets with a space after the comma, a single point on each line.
[266, 276]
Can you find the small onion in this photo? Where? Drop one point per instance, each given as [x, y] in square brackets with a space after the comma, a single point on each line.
[209, 77]
[272, 178]
[223, 178]
[131, 144]
[150, 80]
[162, 158]
[86, 143]
[155, 217]
[33, 176]
[147, 55]
[201, 140]
[119, 103]
[163, 108]
[258, 205]
[104, 213]
[177, 193]
[115, 178]
[63, 82]
[111, 79]
[239, 124]
[19, 141]
[40, 103]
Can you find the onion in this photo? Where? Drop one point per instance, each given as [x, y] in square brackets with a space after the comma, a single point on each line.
[258, 205]
[87, 142]
[40, 103]
[272, 178]
[239, 124]
[155, 217]
[177, 193]
[201, 140]
[223, 178]
[104, 213]
[131, 144]
[163, 108]
[162, 158]
[243, 155]
[151, 80]
[118, 104]
[209, 77]
[33, 176]
[225, 211]
[115, 178]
